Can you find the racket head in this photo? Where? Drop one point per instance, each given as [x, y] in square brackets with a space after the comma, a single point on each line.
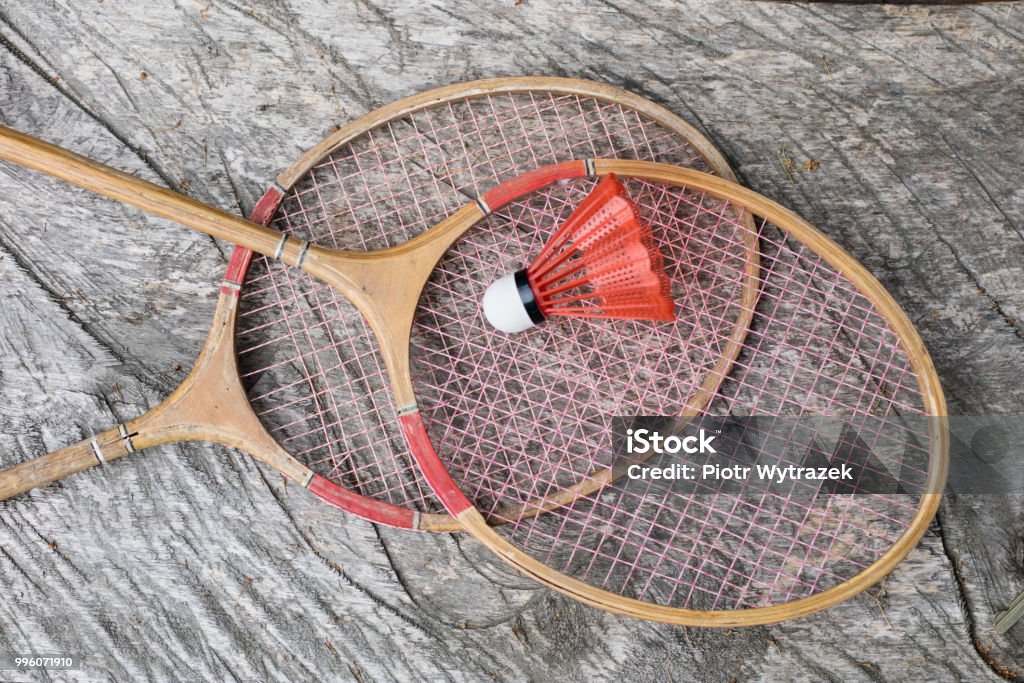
[308, 358]
[825, 339]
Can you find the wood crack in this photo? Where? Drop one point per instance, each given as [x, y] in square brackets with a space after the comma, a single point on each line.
[55, 83]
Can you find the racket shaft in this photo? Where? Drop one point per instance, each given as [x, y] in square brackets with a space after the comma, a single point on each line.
[44, 157]
[59, 464]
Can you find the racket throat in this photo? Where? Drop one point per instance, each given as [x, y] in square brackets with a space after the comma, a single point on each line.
[211, 404]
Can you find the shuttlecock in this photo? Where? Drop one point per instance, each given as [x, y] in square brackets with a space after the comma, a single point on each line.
[601, 263]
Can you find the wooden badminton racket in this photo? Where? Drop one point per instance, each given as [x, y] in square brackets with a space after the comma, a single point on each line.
[290, 372]
[500, 422]
[826, 343]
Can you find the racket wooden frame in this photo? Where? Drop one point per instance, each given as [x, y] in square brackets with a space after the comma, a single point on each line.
[213, 387]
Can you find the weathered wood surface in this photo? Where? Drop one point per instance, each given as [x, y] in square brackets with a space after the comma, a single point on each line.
[196, 563]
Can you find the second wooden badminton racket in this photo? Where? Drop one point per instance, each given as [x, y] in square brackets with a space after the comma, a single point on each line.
[290, 372]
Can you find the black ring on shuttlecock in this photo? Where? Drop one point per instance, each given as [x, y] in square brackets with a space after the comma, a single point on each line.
[526, 296]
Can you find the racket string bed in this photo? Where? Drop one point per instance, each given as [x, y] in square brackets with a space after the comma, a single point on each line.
[544, 376]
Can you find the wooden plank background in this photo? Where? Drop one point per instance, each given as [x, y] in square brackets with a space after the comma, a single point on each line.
[196, 563]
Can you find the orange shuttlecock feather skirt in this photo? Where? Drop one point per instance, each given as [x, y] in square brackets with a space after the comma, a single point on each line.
[602, 263]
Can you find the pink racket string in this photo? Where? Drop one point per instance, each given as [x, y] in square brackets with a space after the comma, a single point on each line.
[308, 359]
[522, 417]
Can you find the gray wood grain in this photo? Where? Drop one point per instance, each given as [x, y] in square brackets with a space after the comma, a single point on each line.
[195, 563]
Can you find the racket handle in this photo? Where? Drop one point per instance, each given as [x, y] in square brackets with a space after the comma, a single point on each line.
[44, 157]
[59, 464]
